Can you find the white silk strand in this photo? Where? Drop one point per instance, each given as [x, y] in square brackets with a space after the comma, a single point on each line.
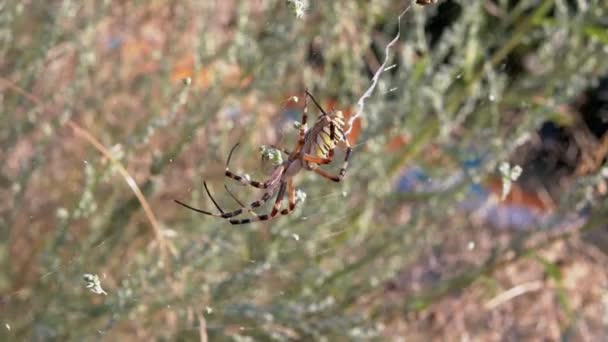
[381, 69]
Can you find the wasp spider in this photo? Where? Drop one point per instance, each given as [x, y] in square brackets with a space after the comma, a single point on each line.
[315, 147]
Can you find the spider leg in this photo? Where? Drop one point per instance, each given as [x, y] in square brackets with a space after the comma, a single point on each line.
[284, 150]
[340, 176]
[302, 135]
[212, 199]
[332, 126]
[292, 198]
[230, 214]
[201, 210]
[242, 179]
[316, 103]
[273, 213]
[240, 202]
[319, 160]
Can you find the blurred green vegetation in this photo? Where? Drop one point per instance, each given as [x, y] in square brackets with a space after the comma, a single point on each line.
[94, 108]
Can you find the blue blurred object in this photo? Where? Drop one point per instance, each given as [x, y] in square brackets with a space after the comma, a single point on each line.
[293, 114]
[472, 163]
[412, 179]
[513, 216]
[480, 202]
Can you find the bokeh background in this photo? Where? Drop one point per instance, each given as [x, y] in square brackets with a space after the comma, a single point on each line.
[111, 109]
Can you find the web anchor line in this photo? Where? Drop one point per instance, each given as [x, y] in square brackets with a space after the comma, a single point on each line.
[381, 69]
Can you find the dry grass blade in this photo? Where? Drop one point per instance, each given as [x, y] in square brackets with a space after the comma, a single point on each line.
[84, 134]
[202, 328]
[162, 243]
[514, 292]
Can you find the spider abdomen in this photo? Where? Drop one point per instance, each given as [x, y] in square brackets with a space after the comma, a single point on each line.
[324, 142]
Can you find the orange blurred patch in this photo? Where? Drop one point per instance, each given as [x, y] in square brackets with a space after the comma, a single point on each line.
[398, 142]
[354, 132]
[230, 74]
[183, 68]
[536, 201]
[330, 104]
[138, 54]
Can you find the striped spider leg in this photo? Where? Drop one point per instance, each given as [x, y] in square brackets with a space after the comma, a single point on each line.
[241, 179]
[275, 209]
[228, 215]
